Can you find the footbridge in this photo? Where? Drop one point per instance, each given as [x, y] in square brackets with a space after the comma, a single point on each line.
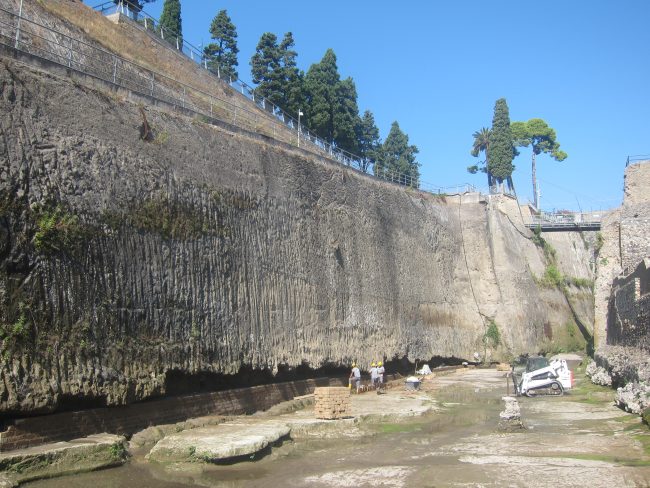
[565, 221]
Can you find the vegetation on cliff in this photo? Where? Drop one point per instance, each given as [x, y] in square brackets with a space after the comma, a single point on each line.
[170, 20]
[222, 54]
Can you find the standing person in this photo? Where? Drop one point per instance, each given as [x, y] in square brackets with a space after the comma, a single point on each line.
[380, 376]
[374, 375]
[355, 377]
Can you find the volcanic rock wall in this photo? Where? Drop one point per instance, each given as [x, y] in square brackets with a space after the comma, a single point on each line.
[207, 250]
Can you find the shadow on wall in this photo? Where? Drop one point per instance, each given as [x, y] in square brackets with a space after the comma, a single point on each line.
[181, 382]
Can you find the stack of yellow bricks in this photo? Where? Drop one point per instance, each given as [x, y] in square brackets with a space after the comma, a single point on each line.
[332, 402]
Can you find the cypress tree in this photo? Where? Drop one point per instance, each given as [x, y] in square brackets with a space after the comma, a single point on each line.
[396, 159]
[273, 68]
[170, 21]
[346, 116]
[223, 53]
[292, 78]
[320, 83]
[499, 164]
[368, 137]
[265, 68]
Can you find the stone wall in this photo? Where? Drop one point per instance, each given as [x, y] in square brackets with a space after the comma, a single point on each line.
[629, 309]
[132, 418]
[635, 217]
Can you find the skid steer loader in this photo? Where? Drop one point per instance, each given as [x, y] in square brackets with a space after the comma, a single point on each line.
[542, 378]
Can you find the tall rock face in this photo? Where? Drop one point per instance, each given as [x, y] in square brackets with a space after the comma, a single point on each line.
[211, 250]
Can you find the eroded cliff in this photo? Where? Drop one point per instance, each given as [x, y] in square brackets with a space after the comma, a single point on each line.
[138, 245]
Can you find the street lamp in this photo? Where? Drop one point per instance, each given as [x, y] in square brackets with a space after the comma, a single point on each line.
[299, 115]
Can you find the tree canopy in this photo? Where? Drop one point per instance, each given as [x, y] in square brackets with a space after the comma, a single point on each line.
[542, 139]
[332, 110]
[369, 142]
[501, 149]
[481, 145]
[170, 21]
[396, 160]
[222, 54]
[346, 116]
[320, 84]
[273, 69]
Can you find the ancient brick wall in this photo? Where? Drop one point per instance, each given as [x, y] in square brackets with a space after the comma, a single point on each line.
[635, 217]
[131, 418]
[629, 309]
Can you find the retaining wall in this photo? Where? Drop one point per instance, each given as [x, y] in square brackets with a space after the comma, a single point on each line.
[129, 419]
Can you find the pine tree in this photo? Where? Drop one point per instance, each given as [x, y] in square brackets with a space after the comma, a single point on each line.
[320, 83]
[346, 116]
[542, 139]
[266, 68]
[502, 151]
[170, 21]
[222, 54]
[273, 68]
[396, 160]
[293, 79]
[369, 144]
[332, 110]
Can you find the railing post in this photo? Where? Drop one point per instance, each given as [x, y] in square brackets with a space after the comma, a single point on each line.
[162, 33]
[145, 24]
[177, 48]
[115, 70]
[183, 99]
[69, 57]
[152, 82]
[20, 16]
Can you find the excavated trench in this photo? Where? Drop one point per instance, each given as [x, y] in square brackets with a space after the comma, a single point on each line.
[579, 439]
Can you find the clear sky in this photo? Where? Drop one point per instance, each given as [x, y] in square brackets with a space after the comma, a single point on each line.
[437, 67]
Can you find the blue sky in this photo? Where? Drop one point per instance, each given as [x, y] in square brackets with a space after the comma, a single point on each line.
[438, 67]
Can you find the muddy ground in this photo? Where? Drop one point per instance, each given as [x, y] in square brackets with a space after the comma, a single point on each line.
[580, 439]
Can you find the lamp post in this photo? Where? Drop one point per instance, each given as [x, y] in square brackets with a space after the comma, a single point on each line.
[299, 115]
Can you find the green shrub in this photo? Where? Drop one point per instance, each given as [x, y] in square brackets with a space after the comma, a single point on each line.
[552, 277]
[492, 337]
[56, 230]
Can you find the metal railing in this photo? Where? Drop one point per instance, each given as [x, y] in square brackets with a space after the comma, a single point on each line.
[565, 221]
[34, 38]
[637, 158]
[152, 25]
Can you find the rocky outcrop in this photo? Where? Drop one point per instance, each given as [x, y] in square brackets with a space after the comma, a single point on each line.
[209, 250]
[598, 375]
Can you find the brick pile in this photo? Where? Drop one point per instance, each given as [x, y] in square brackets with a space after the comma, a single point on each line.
[332, 402]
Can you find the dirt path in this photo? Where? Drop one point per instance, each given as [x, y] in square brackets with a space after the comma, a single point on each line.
[577, 440]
